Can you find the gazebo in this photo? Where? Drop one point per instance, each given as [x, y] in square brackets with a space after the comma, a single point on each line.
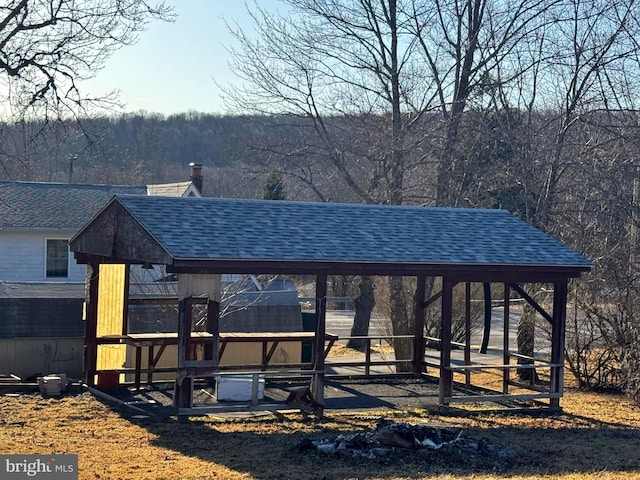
[201, 238]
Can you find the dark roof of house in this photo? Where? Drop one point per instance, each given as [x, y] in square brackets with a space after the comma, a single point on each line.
[39, 205]
[191, 230]
[30, 205]
[42, 290]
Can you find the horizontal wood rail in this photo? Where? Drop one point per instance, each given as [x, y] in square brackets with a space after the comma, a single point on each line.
[368, 362]
[501, 367]
[501, 398]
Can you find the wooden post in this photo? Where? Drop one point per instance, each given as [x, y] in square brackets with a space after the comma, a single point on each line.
[418, 326]
[138, 364]
[317, 387]
[91, 325]
[467, 331]
[367, 357]
[125, 307]
[213, 327]
[446, 376]
[506, 358]
[560, 294]
[183, 393]
[150, 365]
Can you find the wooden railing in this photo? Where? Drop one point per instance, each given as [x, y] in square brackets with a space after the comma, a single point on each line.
[371, 358]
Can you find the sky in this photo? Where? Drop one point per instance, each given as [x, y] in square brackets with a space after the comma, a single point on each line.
[174, 67]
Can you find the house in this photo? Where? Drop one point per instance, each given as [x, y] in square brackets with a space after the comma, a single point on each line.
[41, 286]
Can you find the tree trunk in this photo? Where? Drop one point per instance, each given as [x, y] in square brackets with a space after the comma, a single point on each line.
[364, 304]
[401, 323]
[526, 341]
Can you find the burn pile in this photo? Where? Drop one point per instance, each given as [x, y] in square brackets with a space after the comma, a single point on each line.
[389, 436]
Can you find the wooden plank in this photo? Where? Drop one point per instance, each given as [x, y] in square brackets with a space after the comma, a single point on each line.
[560, 293]
[111, 299]
[125, 300]
[467, 330]
[207, 286]
[457, 368]
[499, 398]
[433, 298]
[418, 326]
[532, 302]
[446, 377]
[505, 342]
[110, 315]
[91, 318]
[171, 338]
[213, 328]
[138, 362]
[152, 361]
[317, 384]
[153, 301]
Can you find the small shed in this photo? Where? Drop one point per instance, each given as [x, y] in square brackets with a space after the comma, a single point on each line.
[200, 238]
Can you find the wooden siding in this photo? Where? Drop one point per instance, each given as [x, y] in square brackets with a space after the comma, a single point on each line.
[22, 257]
[112, 234]
[29, 357]
[200, 285]
[111, 301]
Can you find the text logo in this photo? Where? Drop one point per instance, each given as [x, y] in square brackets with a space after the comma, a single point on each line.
[50, 467]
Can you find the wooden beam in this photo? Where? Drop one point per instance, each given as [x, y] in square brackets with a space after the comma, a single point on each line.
[499, 398]
[433, 298]
[446, 376]
[418, 326]
[125, 307]
[154, 301]
[459, 272]
[560, 295]
[183, 393]
[506, 374]
[212, 349]
[91, 325]
[532, 302]
[317, 387]
[467, 331]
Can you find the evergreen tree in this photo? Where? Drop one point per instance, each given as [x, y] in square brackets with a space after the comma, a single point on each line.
[273, 187]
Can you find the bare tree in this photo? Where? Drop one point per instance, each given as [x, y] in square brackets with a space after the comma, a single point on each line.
[373, 78]
[588, 70]
[46, 46]
[346, 67]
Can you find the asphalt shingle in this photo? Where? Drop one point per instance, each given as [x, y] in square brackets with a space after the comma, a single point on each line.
[209, 228]
[30, 205]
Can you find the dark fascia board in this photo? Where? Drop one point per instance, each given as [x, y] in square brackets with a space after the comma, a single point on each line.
[473, 273]
[477, 273]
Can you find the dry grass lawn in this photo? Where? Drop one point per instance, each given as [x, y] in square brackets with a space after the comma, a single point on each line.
[596, 437]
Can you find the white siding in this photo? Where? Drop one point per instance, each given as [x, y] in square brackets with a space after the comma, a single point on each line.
[22, 257]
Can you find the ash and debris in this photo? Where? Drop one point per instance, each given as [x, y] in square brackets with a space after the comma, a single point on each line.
[389, 437]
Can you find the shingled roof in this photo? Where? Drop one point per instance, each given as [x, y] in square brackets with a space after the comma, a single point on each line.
[33, 205]
[64, 206]
[223, 234]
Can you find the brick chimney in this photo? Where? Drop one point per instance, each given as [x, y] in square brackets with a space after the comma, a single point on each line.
[196, 175]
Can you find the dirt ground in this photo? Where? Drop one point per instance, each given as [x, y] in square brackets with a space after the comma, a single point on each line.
[597, 436]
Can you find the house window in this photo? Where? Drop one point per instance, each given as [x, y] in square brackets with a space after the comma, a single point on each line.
[57, 259]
